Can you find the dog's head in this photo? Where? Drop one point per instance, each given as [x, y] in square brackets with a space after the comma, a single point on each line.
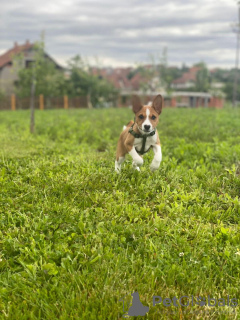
[147, 117]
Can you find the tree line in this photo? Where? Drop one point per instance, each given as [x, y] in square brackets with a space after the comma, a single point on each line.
[53, 82]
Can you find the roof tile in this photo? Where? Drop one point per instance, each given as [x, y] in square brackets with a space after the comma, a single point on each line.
[8, 56]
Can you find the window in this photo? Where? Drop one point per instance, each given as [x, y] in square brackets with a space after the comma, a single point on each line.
[28, 63]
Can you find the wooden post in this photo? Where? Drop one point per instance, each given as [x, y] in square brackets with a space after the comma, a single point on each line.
[65, 102]
[41, 102]
[13, 102]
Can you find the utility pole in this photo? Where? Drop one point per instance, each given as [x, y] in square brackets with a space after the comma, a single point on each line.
[235, 86]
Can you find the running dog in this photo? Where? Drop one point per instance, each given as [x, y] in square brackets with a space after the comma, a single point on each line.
[140, 135]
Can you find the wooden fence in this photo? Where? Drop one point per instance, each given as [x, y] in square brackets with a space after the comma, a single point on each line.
[15, 103]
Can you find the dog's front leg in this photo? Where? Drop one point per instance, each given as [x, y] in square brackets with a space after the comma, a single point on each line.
[137, 160]
[118, 164]
[129, 145]
[157, 157]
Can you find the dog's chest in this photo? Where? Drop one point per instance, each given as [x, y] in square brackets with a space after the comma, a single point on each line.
[138, 142]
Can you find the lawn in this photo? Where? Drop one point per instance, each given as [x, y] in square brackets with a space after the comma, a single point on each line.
[76, 237]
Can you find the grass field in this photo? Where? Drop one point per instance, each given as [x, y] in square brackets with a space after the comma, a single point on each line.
[76, 237]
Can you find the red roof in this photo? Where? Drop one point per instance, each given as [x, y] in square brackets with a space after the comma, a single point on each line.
[188, 76]
[117, 76]
[8, 56]
[136, 81]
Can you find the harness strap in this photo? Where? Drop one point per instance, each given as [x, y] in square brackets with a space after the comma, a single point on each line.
[144, 137]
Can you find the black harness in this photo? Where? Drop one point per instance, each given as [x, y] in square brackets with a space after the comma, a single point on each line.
[144, 137]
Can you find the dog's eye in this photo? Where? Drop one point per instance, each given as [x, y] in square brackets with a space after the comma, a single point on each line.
[153, 117]
[141, 116]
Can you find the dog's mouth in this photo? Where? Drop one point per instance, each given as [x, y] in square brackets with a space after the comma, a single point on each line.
[147, 130]
[144, 130]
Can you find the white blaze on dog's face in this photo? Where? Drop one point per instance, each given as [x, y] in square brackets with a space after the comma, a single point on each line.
[147, 117]
[147, 126]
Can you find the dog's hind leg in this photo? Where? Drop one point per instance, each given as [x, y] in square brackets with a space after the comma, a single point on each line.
[118, 164]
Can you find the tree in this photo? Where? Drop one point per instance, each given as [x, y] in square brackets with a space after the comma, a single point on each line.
[165, 77]
[49, 81]
[160, 75]
[40, 77]
[228, 89]
[202, 78]
[83, 82]
[2, 95]
[184, 68]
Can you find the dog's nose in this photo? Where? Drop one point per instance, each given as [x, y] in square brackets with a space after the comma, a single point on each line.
[146, 127]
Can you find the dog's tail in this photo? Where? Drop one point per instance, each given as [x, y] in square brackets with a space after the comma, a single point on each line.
[128, 125]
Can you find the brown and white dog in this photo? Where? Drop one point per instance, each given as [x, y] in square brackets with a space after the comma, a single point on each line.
[140, 136]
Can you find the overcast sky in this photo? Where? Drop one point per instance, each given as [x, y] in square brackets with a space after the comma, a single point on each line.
[125, 32]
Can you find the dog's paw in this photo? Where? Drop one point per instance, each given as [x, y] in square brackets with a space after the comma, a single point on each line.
[135, 167]
[138, 161]
[117, 167]
[117, 170]
[154, 165]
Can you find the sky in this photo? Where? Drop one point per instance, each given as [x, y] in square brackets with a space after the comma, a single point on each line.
[126, 32]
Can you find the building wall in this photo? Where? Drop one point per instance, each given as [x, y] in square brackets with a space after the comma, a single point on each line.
[9, 73]
[178, 101]
[7, 78]
[216, 102]
[183, 86]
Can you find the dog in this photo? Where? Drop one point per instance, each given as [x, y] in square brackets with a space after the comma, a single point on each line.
[140, 135]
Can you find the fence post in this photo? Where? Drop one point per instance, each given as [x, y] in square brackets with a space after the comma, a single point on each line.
[41, 102]
[13, 102]
[65, 102]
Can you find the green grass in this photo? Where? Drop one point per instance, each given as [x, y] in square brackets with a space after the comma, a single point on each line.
[76, 237]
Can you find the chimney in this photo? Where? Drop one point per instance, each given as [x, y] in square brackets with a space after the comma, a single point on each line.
[15, 44]
[27, 42]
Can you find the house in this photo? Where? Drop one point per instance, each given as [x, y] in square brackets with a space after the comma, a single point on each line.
[187, 80]
[194, 100]
[147, 84]
[9, 71]
[117, 76]
[123, 80]
[176, 99]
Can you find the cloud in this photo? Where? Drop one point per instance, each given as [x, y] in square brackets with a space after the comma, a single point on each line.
[125, 32]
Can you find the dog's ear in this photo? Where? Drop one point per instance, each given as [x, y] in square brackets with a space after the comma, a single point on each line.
[158, 103]
[136, 104]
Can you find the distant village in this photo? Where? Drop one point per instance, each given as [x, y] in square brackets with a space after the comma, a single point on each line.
[181, 86]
